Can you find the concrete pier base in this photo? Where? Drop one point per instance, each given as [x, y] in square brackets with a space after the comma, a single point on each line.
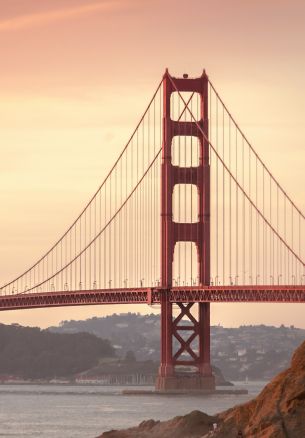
[192, 383]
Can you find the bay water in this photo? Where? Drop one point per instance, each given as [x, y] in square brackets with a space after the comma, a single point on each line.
[62, 411]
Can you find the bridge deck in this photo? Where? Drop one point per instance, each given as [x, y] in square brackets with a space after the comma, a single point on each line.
[213, 294]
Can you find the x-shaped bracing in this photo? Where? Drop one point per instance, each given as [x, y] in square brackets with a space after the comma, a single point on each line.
[185, 345]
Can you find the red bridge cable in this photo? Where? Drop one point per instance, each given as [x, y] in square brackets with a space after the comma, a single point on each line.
[253, 150]
[235, 180]
[101, 231]
[92, 198]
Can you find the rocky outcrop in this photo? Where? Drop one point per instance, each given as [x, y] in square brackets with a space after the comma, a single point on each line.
[219, 377]
[277, 412]
[193, 425]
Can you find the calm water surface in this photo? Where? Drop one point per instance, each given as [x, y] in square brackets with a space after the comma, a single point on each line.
[51, 411]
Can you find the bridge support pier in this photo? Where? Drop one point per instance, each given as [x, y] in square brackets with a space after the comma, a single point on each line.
[185, 339]
[176, 373]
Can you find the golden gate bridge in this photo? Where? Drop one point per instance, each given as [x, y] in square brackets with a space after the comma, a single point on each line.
[188, 215]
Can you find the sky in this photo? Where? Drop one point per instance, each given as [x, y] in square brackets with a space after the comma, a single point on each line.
[75, 76]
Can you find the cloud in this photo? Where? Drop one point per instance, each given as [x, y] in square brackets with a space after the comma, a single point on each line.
[41, 18]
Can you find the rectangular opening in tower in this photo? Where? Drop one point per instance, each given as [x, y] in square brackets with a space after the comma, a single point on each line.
[185, 151]
[185, 203]
[185, 264]
[185, 106]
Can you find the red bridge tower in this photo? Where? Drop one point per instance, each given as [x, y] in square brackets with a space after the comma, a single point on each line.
[198, 328]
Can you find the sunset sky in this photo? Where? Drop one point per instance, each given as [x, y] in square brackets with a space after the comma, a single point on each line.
[75, 76]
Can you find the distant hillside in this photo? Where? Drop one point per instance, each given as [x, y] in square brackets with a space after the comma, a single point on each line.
[32, 353]
[256, 352]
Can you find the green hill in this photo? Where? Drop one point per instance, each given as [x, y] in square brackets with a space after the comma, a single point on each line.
[32, 353]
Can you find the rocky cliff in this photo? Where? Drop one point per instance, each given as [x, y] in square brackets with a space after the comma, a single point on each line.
[277, 412]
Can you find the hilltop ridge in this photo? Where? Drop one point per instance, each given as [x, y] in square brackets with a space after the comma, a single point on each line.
[31, 353]
[254, 352]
